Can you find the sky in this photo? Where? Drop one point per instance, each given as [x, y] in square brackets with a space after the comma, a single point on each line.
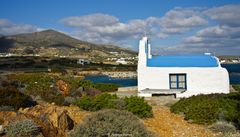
[173, 26]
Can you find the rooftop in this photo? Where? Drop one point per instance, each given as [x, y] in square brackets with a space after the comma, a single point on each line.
[183, 61]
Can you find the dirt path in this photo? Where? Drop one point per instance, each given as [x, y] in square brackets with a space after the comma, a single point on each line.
[167, 124]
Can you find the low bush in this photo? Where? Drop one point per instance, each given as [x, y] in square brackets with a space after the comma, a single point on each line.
[138, 106]
[51, 97]
[91, 92]
[69, 100]
[103, 101]
[84, 103]
[11, 97]
[207, 109]
[223, 126]
[111, 123]
[98, 102]
[231, 134]
[106, 87]
[25, 128]
[85, 84]
[236, 87]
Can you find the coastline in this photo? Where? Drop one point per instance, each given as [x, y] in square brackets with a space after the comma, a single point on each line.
[121, 74]
[112, 74]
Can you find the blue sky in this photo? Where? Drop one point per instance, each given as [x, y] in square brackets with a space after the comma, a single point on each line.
[174, 26]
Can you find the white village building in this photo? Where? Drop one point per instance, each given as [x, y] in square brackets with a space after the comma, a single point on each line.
[182, 76]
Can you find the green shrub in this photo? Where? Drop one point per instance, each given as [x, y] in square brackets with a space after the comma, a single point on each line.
[103, 101]
[207, 109]
[119, 104]
[85, 84]
[236, 87]
[12, 97]
[51, 97]
[138, 106]
[25, 128]
[84, 103]
[98, 102]
[111, 123]
[106, 87]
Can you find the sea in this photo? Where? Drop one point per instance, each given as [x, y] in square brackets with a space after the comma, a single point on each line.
[233, 70]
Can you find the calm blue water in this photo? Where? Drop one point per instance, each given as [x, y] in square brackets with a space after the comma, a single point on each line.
[233, 69]
[234, 72]
[105, 79]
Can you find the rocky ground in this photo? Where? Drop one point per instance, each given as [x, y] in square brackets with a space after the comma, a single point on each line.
[56, 121]
[167, 124]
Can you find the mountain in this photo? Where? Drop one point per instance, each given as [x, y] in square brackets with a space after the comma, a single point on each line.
[54, 43]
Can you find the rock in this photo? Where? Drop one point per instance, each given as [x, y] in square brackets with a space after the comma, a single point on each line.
[65, 122]
[53, 117]
[55, 121]
[63, 86]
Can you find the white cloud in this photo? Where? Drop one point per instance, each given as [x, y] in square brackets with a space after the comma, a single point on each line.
[88, 21]
[225, 15]
[10, 28]
[5, 23]
[219, 39]
[102, 27]
[223, 38]
[180, 20]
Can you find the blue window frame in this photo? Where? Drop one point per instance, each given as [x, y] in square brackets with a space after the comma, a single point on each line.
[178, 81]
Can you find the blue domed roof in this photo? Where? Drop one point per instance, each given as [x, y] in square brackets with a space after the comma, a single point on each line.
[183, 61]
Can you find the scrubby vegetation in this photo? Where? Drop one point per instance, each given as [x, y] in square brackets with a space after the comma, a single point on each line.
[25, 128]
[111, 123]
[55, 88]
[136, 105]
[34, 83]
[12, 98]
[236, 87]
[98, 102]
[207, 109]
[106, 87]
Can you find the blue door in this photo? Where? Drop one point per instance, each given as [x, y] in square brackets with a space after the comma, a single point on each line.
[178, 81]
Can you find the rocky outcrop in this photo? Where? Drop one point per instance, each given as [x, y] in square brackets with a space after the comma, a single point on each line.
[54, 121]
[64, 87]
[65, 122]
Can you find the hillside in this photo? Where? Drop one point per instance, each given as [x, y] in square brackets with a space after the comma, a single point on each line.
[53, 43]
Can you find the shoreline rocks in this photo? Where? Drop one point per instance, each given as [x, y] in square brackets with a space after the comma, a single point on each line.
[123, 74]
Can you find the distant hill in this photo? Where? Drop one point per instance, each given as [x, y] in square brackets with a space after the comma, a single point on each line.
[54, 43]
